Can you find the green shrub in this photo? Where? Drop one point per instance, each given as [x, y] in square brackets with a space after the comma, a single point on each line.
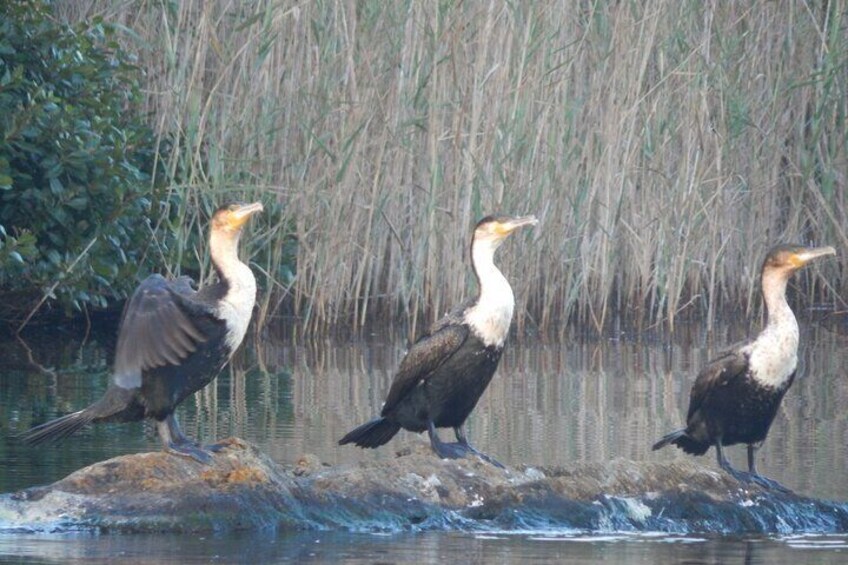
[75, 160]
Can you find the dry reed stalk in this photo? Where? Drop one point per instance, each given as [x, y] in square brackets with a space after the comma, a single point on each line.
[665, 145]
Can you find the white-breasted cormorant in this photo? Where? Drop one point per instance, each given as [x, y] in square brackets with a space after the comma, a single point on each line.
[173, 341]
[446, 370]
[737, 395]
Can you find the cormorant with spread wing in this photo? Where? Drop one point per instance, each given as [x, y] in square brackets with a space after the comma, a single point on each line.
[173, 341]
[445, 372]
[737, 395]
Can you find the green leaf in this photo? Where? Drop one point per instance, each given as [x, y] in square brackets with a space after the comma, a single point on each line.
[54, 257]
[79, 158]
[78, 203]
[56, 185]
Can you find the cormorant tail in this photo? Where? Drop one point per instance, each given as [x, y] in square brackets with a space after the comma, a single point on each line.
[115, 405]
[60, 428]
[683, 441]
[372, 434]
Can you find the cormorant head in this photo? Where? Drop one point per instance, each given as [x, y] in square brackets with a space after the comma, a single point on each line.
[785, 259]
[493, 230]
[230, 218]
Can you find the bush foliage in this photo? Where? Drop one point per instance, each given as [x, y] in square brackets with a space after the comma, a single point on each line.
[74, 163]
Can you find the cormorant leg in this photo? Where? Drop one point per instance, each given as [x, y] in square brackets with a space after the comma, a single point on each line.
[752, 460]
[757, 477]
[721, 460]
[751, 476]
[459, 431]
[175, 442]
[442, 449]
[740, 476]
[176, 432]
[178, 437]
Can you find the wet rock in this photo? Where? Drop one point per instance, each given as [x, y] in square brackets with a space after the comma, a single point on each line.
[244, 489]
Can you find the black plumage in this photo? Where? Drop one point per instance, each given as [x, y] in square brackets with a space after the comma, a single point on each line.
[735, 398]
[172, 342]
[446, 371]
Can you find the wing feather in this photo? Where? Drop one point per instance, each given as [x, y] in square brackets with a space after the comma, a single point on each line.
[424, 357]
[156, 329]
[721, 371]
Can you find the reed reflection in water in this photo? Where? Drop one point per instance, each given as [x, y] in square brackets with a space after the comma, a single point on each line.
[554, 404]
[551, 403]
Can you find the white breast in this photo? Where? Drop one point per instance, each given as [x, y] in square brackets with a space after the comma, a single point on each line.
[491, 317]
[773, 356]
[236, 308]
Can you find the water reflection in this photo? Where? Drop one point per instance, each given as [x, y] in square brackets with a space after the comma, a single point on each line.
[550, 404]
[487, 548]
[588, 401]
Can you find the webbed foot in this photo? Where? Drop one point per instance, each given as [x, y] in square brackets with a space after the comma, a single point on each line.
[449, 450]
[217, 447]
[178, 444]
[489, 459]
[190, 449]
[456, 450]
[481, 455]
[767, 483]
[754, 478]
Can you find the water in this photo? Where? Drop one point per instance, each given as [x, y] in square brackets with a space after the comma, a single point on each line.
[552, 403]
[427, 547]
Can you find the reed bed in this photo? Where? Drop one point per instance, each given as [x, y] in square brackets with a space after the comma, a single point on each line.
[664, 145]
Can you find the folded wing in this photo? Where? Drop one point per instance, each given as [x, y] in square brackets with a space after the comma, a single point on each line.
[424, 357]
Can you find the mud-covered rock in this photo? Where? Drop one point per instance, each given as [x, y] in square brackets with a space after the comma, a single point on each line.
[244, 489]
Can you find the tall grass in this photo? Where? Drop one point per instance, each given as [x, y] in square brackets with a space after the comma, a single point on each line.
[664, 145]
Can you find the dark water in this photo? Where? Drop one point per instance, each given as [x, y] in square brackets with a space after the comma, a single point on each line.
[552, 403]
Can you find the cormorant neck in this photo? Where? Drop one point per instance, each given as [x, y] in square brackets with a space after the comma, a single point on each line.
[774, 354]
[223, 249]
[236, 305]
[491, 314]
[778, 311]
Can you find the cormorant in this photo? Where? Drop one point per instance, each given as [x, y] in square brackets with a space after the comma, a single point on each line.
[736, 396]
[445, 372]
[173, 341]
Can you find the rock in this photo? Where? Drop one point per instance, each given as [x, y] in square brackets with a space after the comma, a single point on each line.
[244, 489]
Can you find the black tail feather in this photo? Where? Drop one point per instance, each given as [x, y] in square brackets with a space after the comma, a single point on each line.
[684, 442]
[371, 434]
[117, 405]
[58, 429]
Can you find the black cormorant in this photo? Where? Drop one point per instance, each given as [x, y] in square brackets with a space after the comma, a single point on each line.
[173, 341]
[736, 396]
[447, 369]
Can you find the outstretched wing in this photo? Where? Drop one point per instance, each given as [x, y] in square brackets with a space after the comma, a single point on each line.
[424, 357]
[156, 329]
[720, 372]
